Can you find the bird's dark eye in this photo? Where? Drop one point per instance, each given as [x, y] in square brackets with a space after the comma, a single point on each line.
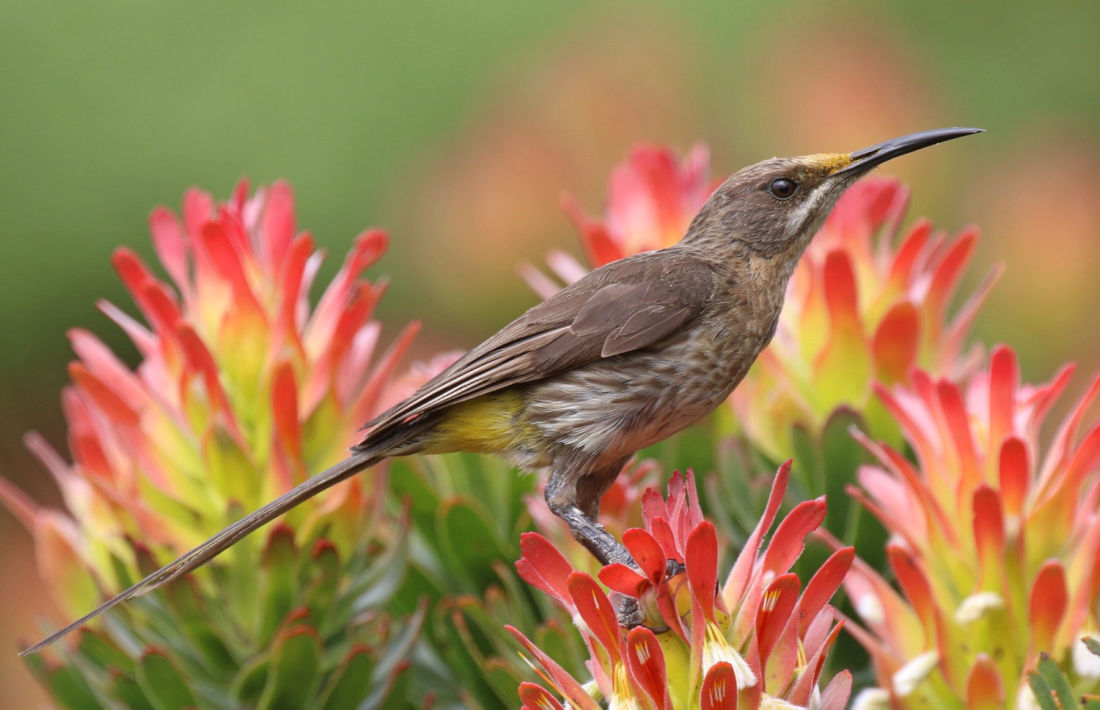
[783, 188]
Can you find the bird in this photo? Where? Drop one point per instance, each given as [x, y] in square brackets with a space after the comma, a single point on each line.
[630, 354]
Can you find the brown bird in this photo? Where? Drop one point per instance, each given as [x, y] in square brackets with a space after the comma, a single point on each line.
[632, 353]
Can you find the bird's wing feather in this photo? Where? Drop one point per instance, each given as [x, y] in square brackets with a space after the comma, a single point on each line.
[625, 306]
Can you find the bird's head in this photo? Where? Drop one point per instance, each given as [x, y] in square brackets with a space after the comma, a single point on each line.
[774, 208]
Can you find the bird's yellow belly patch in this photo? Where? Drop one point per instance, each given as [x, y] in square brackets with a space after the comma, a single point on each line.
[487, 424]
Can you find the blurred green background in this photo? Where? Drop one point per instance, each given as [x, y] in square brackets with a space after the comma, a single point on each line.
[457, 125]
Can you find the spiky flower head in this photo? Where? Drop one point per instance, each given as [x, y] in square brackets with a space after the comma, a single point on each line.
[242, 390]
[759, 640]
[994, 540]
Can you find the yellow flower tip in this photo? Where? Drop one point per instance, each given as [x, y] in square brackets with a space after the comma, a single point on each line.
[622, 694]
[769, 703]
[717, 650]
[770, 598]
[800, 660]
[872, 699]
[1085, 662]
[910, 676]
[977, 606]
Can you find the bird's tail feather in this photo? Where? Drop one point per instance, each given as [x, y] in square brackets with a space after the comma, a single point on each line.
[359, 460]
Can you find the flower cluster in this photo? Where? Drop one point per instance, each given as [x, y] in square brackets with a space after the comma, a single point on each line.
[994, 542]
[242, 391]
[758, 640]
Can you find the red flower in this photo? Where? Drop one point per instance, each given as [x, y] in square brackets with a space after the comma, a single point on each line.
[993, 542]
[755, 641]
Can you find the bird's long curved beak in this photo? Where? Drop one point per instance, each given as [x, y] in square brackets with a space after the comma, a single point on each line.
[867, 158]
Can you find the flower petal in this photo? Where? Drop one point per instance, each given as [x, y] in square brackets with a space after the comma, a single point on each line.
[646, 662]
[535, 697]
[564, 683]
[702, 566]
[823, 585]
[1047, 607]
[719, 690]
[776, 607]
[544, 567]
[984, 688]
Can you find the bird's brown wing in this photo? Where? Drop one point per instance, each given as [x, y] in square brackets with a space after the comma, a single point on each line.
[625, 306]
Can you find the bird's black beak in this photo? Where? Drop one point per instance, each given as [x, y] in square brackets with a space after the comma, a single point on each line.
[864, 160]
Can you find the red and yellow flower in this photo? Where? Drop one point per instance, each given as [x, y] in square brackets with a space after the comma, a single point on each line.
[241, 391]
[758, 640]
[994, 540]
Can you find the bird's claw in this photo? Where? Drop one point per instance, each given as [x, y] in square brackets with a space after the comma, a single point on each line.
[628, 612]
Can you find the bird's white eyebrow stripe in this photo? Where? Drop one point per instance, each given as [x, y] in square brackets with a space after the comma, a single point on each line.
[798, 216]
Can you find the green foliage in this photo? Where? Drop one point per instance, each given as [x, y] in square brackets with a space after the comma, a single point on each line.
[1052, 688]
[315, 634]
[467, 514]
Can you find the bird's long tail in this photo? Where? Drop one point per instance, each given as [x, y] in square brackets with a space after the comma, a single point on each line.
[358, 461]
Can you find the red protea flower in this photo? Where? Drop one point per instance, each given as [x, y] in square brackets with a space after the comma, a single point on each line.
[242, 390]
[995, 540]
[753, 642]
[652, 197]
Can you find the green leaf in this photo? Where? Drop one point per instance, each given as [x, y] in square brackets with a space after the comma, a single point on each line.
[125, 688]
[193, 622]
[468, 542]
[1042, 691]
[416, 585]
[251, 680]
[162, 683]
[294, 674]
[841, 457]
[1057, 680]
[461, 655]
[806, 464]
[392, 660]
[102, 652]
[410, 483]
[351, 682]
[277, 590]
[322, 567]
[64, 684]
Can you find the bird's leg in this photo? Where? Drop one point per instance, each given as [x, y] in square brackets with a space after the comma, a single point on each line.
[575, 498]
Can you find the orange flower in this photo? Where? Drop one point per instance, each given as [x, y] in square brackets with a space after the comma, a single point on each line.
[755, 642]
[242, 390]
[994, 542]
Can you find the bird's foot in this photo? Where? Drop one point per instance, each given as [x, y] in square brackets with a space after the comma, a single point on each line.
[628, 611]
